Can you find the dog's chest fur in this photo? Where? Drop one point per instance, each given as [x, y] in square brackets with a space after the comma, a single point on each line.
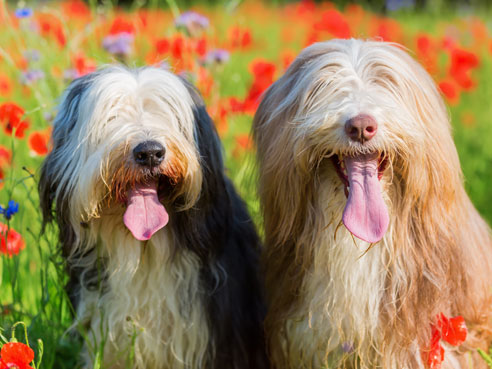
[341, 292]
[337, 318]
[151, 297]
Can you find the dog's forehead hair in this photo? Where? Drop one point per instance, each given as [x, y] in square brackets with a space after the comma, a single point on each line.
[375, 76]
[116, 97]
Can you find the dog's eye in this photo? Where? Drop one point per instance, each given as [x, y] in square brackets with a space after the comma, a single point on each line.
[383, 76]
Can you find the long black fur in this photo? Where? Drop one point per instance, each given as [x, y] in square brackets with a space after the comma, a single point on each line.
[218, 229]
[64, 124]
[223, 234]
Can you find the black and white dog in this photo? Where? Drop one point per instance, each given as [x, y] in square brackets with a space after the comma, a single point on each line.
[161, 252]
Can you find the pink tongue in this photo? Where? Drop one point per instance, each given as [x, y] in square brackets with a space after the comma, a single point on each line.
[365, 214]
[144, 214]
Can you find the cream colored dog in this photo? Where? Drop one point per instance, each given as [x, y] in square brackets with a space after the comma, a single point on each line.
[356, 133]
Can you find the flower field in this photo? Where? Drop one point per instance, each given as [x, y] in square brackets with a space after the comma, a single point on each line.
[232, 53]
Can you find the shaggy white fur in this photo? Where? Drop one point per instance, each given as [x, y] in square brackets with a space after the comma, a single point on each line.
[150, 307]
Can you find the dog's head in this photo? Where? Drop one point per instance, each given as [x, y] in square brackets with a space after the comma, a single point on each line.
[375, 114]
[128, 141]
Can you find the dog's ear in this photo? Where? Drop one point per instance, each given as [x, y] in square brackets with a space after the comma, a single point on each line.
[432, 161]
[280, 151]
[208, 144]
[54, 189]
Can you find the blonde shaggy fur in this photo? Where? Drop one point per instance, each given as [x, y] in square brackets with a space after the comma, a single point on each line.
[335, 300]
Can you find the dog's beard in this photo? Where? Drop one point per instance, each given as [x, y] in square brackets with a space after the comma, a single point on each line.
[142, 191]
[365, 214]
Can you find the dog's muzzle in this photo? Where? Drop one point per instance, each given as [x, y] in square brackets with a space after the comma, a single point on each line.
[365, 214]
[149, 154]
[144, 214]
[361, 128]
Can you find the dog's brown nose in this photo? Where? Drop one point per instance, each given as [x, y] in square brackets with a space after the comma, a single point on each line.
[361, 128]
[149, 153]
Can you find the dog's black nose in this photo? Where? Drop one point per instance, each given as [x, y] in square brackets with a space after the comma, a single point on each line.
[361, 128]
[149, 153]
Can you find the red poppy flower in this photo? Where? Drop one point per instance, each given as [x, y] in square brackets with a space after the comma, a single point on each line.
[436, 352]
[334, 22]
[121, 25]
[263, 73]
[83, 65]
[11, 242]
[448, 43]
[76, 8]
[5, 85]
[50, 25]
[201, 47]
[305, 8]
[236, 106]
[205, 81]
[177, 48]
[451, 330]
[240, 37]
[16, 355]
[5, 156]
[451, 91]
[462, 62]
[424, 44]
[243, 144]
[246, 39]
[162, 46]
[244, 141]
[219, 113]
[427, 52]
[262, 69]
[311, 38]
[38, 142]
[387, 29]
[10, 117]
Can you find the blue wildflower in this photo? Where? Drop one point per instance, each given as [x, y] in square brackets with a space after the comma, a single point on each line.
[70, 74]
[32, 55]
[217, 56]
[192, 22]
[347, 347]
[119, 44]
[11, 209]
[48, 116]
[31, 76]
[165, 65]
[23, 13]
[394, 5]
